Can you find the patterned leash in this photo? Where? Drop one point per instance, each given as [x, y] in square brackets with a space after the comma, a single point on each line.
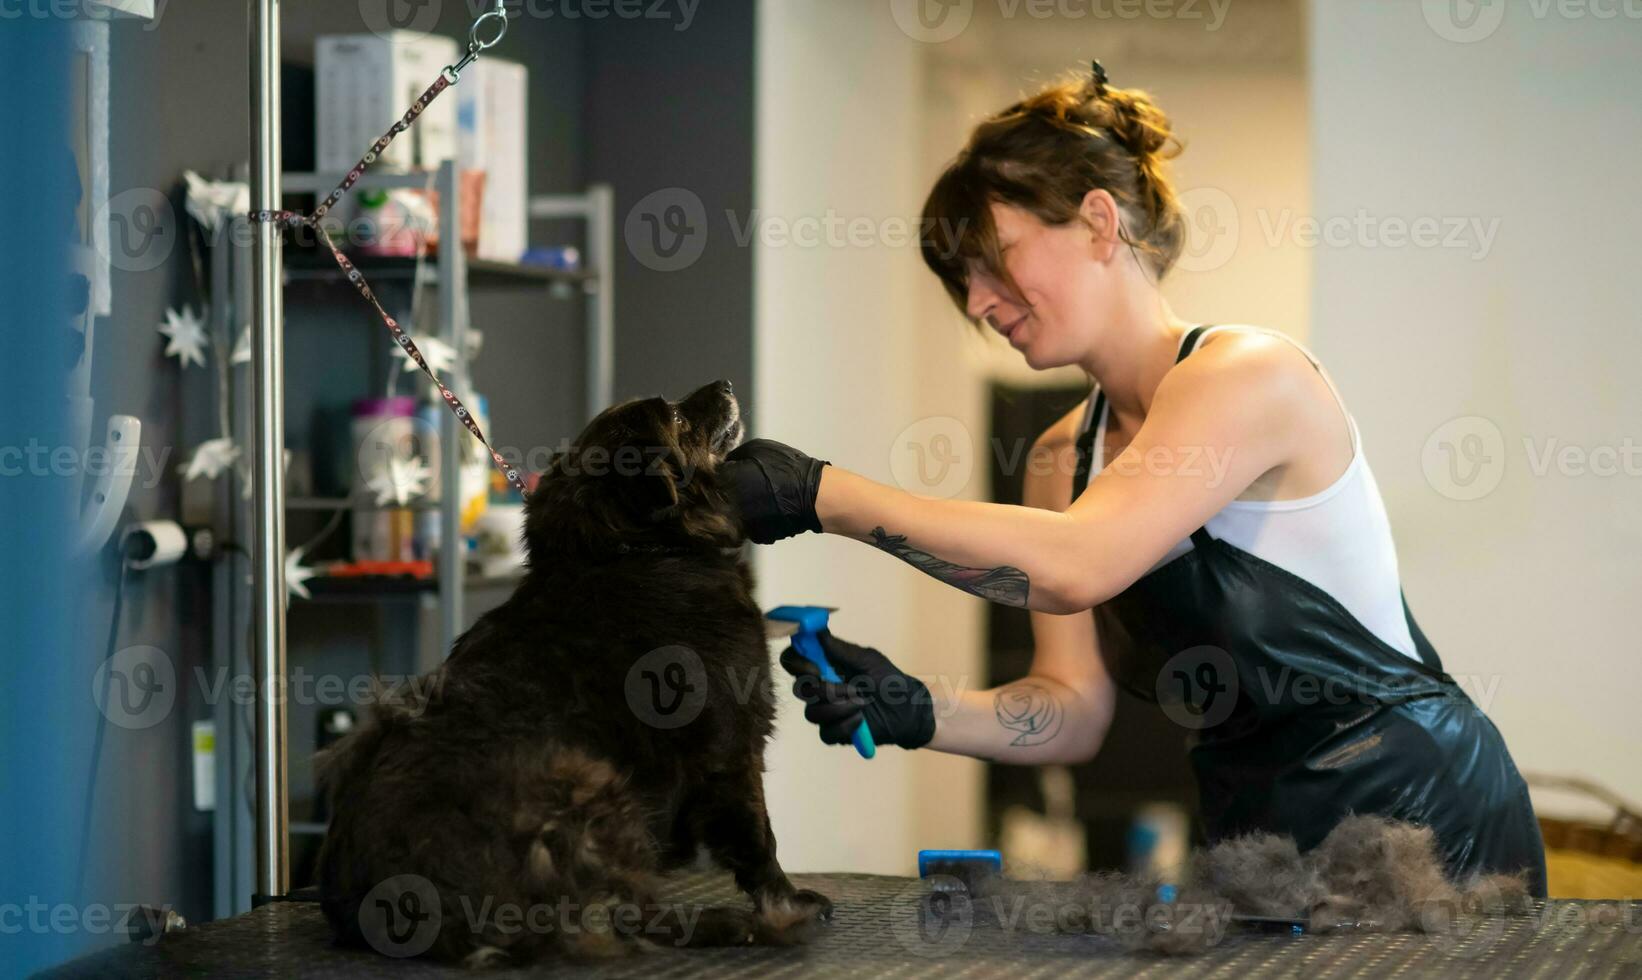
[450, 76]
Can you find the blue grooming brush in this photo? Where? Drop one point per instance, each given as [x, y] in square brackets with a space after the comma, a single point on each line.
[967, 867]
[803, 623]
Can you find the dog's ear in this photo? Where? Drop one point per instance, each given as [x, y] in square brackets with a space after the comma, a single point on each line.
[707, 523]
[651, 493]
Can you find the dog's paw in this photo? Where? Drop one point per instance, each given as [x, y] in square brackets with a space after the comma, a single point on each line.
[793, 918]
[820, 906]
[719, 926]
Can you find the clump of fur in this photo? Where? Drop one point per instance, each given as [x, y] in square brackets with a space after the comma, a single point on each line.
[1386, 876]
[1197, 919]
[1379, 874]
[1370, 874]
[1261, 874]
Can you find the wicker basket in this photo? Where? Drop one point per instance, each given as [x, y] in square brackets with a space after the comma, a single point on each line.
[1585, 859]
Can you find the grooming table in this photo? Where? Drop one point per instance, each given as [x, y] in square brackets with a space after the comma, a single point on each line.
[881, 927]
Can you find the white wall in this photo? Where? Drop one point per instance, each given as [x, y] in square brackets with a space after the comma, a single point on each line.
[835, 349]
[1526, 117]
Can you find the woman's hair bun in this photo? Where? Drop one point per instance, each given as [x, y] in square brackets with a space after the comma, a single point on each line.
[1127, 115]
[1139, 124]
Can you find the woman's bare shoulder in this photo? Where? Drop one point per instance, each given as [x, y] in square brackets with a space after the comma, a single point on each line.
[1257, 390]
[1259, 364]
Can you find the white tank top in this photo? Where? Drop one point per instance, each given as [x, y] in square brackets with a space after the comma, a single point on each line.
[1338, 539]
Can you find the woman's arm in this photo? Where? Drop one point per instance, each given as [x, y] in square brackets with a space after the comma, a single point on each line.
[1060, 712]
[1218, 421]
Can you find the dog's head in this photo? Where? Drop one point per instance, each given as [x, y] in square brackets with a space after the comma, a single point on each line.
[640, 478]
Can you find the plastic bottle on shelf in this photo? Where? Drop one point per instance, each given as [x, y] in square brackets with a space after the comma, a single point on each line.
[472, 474]
[384, 430]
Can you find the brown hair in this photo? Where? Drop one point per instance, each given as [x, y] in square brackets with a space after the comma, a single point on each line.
[1044, 154]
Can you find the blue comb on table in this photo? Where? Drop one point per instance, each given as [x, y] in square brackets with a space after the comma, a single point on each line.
[806, 623]
[952, 869]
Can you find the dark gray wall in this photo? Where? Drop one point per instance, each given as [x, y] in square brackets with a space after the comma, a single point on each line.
[670, 108]
[177, 100]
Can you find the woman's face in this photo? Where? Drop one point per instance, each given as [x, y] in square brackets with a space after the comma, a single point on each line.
[1064, 286]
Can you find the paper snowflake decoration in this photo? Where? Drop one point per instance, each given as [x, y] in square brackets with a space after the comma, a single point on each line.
[213, 202]
[242, 347]
[296, 575]
[210, 459]
[439, 355]
[186, 331]
[402, 478]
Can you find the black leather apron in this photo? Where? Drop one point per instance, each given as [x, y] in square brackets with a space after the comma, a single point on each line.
[1303, 715]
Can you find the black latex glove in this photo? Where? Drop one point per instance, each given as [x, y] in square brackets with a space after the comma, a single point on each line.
[897, 707]
[774, 486]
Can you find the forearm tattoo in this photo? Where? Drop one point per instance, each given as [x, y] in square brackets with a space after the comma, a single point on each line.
[1005, 584]
[1030, 709]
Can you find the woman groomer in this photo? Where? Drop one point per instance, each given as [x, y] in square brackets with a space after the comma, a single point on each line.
[1211, 505]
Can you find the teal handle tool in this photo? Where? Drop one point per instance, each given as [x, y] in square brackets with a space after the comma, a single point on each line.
[807, 623]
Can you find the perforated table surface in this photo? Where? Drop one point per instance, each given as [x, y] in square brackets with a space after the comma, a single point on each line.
[884, 927]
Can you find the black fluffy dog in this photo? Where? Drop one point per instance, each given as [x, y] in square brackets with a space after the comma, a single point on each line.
[604, 724]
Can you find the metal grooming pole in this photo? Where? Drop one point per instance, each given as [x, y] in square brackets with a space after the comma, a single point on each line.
[268, 473]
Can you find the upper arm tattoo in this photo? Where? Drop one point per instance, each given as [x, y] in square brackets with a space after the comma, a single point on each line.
[1029, 709]
[1005, 584]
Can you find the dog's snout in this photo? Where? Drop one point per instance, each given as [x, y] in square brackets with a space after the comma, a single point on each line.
[710, 392]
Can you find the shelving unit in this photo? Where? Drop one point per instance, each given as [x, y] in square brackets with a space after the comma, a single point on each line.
[457, 273]
[401, 606]
[480, 272]
[342, 503]
[368, 588]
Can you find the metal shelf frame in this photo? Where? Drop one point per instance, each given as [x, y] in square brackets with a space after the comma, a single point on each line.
[453, 330]
[598, 209]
